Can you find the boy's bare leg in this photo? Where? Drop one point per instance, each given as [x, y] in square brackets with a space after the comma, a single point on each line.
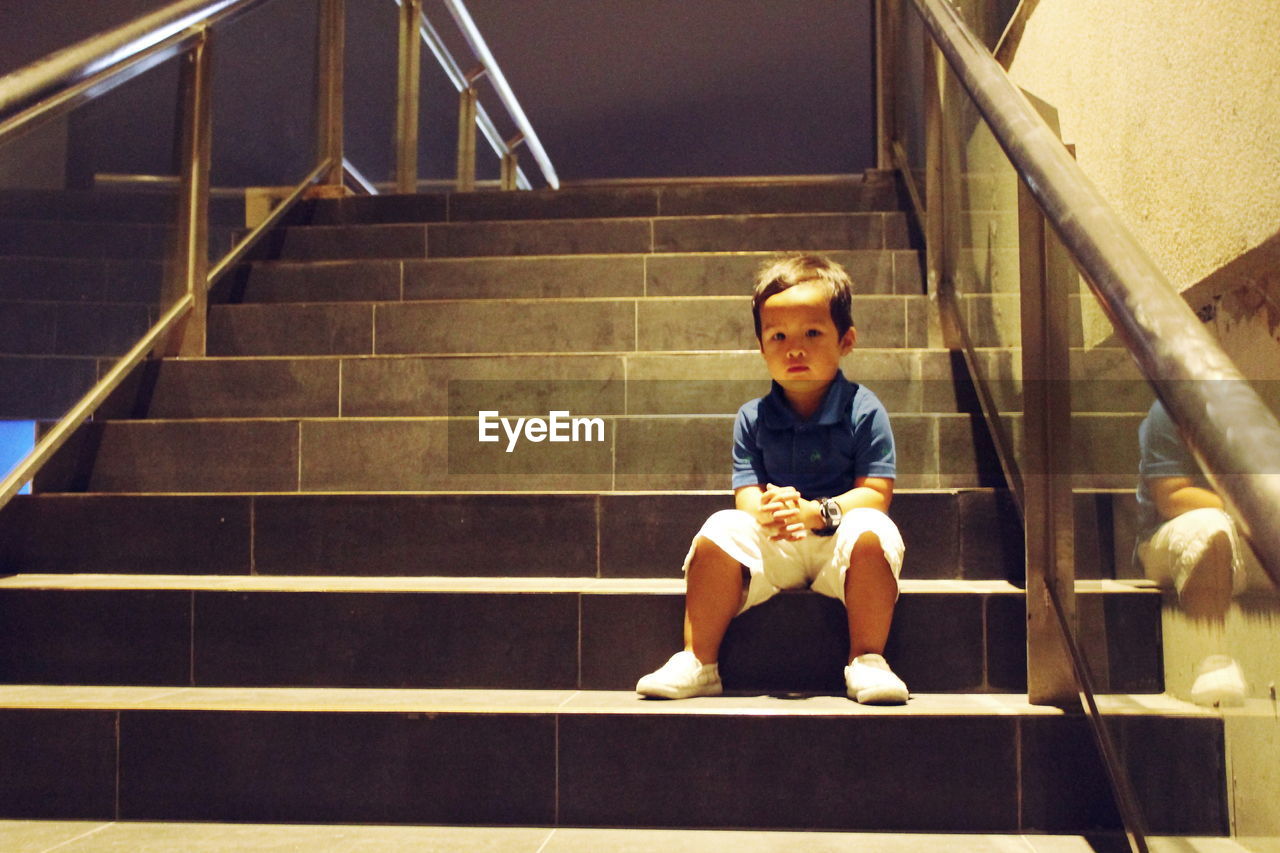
[713, 595]
[870, 592]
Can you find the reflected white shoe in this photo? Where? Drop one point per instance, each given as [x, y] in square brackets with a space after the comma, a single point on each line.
[682, 677]
[1219, 682]
[870, 681]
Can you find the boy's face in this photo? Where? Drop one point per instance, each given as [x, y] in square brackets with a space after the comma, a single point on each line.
[798, 339]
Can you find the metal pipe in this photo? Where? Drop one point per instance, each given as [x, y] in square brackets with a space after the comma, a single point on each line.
[456, 76]
[481, 51]
[331, 38]
[1229, 429]
[467, 102]
[356, 175]
[63, 101]
[191, 253]
[408, 91]
[242, 247]
[46, 77]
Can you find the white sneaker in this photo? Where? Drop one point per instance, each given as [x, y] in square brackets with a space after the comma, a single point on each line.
[870, 681]
[682, 677]
[1219, 683]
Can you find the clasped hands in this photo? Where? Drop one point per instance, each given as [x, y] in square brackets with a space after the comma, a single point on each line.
[785, 514]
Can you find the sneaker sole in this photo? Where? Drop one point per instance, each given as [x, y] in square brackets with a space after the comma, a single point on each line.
[667, 693]
[880, 696]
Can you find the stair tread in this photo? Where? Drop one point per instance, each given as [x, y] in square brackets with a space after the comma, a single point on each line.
[568, 701]
[452, 584]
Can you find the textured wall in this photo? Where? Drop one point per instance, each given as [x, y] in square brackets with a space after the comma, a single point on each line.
[1175, 112]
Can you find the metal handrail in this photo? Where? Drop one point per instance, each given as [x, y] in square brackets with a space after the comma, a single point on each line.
[106, 60]
[485, 124]
[91, 68]
[481, 51]
[1226, 424]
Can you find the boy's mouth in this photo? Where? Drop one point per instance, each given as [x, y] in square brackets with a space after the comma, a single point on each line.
[797, 368]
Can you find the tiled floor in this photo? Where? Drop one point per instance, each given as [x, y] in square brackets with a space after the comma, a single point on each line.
[76, 837]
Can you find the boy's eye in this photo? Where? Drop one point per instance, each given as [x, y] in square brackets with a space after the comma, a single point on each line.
[777, 336]
[813, 333]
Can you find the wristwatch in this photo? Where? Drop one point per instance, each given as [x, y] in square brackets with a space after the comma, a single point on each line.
[831, 515]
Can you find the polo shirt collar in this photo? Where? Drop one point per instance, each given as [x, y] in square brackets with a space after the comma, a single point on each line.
[776, 413]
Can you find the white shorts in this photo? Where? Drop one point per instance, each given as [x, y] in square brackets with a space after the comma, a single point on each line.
[817, 562]
[1177, 545]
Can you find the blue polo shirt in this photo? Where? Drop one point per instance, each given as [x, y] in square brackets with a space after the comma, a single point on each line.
[849, 437]
[1163, 455]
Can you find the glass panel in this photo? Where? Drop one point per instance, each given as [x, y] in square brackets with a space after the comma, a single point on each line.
[82, 252]
[1216, 611]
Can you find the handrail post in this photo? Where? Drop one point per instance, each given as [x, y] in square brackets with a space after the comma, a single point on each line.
[331, 38]
[511, 164]
[467, 102]
[188, 270]
[1048, 517]
[408, 90]
[887, 14]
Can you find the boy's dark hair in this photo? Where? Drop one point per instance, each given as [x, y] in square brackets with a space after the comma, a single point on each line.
[785, 272]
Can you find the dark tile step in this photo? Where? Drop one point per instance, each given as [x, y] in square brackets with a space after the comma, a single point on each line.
[874, 271]
[789, 232]
[43, 388]
[859, 194]
[943, 764]
[532, 326]
[79, 280]
[655, 453]
[72, 328]
[111, 239]
[109, 206]
[423, 386]
[972, 535]
[948, 636]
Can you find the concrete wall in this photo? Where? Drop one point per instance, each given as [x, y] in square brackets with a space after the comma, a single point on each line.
[1175, 113]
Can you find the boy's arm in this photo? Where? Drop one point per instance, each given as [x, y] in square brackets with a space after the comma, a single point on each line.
[1176, 495]
[796, 516]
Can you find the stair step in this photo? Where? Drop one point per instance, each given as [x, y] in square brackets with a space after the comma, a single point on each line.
[57, 238]
[678, 452]
[838, 196]
[419, 386]
[782, 232]
[617, 453]
[24, 279]
[529, 325]
[72, 328]
[155, 207]
[562, 757]
[874, 271]
[588, 633]
[42, 835]
[955, 535]
[43, 388]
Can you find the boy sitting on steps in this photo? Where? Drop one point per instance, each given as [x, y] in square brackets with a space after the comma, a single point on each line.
[813, 472]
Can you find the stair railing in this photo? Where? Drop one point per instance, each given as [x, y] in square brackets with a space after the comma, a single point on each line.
[471, 113]
[186, 30]
[1226, 424]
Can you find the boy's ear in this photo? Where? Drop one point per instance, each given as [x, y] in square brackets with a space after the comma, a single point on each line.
[849, 340]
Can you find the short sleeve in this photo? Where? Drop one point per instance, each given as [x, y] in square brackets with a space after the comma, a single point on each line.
[748, 460]
[876, 454]
[1163, 452]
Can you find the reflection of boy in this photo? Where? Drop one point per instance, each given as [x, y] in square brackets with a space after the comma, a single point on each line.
[813, 472]
[1188, 542]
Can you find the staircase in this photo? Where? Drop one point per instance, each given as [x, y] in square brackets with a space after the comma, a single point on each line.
[287, 583]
